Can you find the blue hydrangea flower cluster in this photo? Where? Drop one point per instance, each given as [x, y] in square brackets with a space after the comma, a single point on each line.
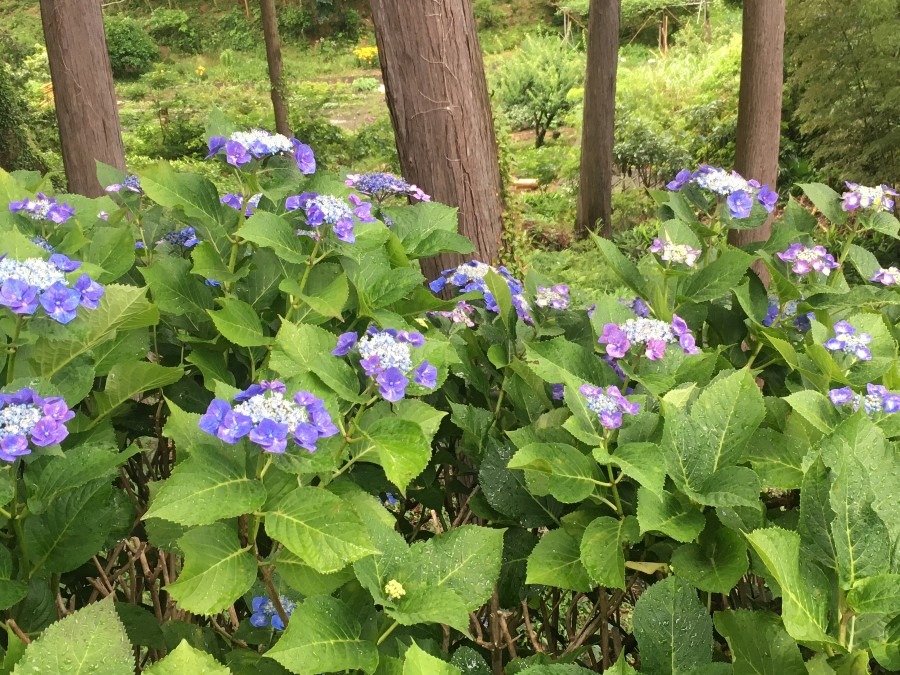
[186, 238]
[848, 341]
[265, 614]
[471, 276]
[236, 201]
[777, 314]
[242, 147]
[680, 254]
[269, 419]
[26, 284]
[655, 335]
[876, 399]
[339, 212]
[380, 186]
[43, 207]
[739, 193]
[129, 184]
[860, 197]
[887, 276]
[44, 244]
[806, 259]
[555, 297]
[386, 356]
[609, 405]
[27, 418]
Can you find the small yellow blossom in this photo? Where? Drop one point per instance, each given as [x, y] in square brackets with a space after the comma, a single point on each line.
[394, 590]
[367, 56]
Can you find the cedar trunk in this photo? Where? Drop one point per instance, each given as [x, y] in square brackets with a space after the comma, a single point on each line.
[759, 108]
[438, 99]
[276, 70]
[598, 131]
[83, 89]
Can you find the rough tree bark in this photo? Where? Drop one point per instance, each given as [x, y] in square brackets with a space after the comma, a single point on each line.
[759, 107]
[438, 99]
[276, 70]
[598, 131]
[86, 108]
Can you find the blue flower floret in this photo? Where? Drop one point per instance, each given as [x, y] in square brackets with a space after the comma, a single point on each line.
[739, 193]
[269, 419]
[380, 186]
[876, 399]
[609, 405]
[654, 334]
[386, 355]
[26, 284]
[242, 147]
[43, 207]
[848, 341]
[342, 213]
[806, 259]
[27, 418]
[265, 614]
[236, 201]
[471, 276]
[860, 197]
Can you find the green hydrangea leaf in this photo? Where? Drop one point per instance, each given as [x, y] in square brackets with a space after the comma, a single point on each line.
[759, 644]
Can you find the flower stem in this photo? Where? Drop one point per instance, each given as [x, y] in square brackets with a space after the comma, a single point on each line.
[385, 634]
[12, 349]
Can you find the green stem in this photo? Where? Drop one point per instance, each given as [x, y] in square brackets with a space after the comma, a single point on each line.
[385, 634]
[615, 491]
[832, 281]
[265, 469]
[17, 514]
[759, 346]
[12, 349]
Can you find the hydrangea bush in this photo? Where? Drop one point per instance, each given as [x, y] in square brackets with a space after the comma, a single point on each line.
[261, 442]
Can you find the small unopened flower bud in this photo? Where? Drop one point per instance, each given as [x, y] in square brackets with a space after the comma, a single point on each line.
[394, 590]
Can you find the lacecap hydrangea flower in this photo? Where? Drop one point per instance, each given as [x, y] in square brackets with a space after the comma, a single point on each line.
[242, 147]
[236, 201]
[386, 355]
[24, 285]
[609, 405]
[555, 297]
[887, 277]
[43, 207]
[876, 399]
[471, 276]
[44, 244]
[269, 419]
[342, 213]
[879, 198]
[265, 614]
[777, 314]
[462, 313]
[806, 259]
[653, 334]
[380, 186]
[129, 184]
[848, 341]
[186, 238]
[739, 193]
[26, 418]
[680, 254]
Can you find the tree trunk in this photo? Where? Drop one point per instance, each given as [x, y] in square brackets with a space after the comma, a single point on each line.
[86, 107]
[438, 99]
[599, 128]
[759, 107]
[276, 71]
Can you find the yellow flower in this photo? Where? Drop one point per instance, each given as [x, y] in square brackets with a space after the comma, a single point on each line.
[394, 590]
[367, 56]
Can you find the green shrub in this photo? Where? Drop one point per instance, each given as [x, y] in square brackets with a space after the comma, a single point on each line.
[488, 14]
[238, 34]
[132, 51]
[364, 84]
[173, 28]
[294, 22]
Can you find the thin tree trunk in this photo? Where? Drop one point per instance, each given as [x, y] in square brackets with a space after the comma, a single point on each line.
[759, 107]
[276, 70]
[599, 128]
[438, 99]
[86, 108]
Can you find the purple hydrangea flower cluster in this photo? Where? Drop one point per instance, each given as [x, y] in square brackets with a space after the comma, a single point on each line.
[242, 147]
[265, 614]
[186, 238]
[887, 277]
[652, 333]
[386, 355]
[26, 284]
[740, 193]
[43, 207]
[558, 391]
[380, 186]
[462, 313]
[680, 254]
[609, 406]
[555, 297]
[342, 213]
[876, 399]
[806, 259]
[268, 419]
[777, 314]
[44, 244]
[471, 276]
[637, 305]
[236, 201]
[131, 184]
[26, 417]
[879, 198]
[848, 341]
